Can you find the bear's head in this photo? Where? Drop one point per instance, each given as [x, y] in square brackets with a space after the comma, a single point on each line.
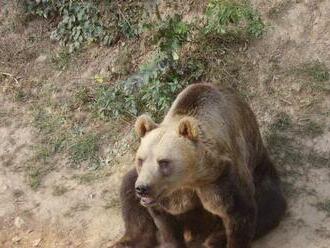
[167, 157]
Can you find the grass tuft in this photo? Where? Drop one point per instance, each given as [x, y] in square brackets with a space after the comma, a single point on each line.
[84, 148]
[311, 129]
[282, 123]
[233, 17]
[87, 178]
[324, 206]
[61, 59]
[59, 190]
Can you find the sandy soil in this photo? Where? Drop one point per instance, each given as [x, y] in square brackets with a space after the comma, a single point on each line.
[88, 214]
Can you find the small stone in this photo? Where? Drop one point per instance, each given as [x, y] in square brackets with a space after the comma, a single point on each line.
[3, 187]
[16, 239]
[36, 242]
[42, 58]
[19, 222]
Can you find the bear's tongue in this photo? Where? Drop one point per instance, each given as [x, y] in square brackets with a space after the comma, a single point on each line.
[147, 200]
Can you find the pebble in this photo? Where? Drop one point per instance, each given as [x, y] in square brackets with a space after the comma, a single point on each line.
[42, 58]
[16, 239]
[19, 222]
[36, 242]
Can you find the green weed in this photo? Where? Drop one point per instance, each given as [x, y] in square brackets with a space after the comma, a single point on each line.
[82, 97]
[35, 173]
[34, 177]
[61, 59]
[279, 8]
[324, 206]
[84, 147]
[315, 70]
[319, 72]
[59, 190]
[46, 121]
[58, 134]
[20, 95]
[82, 22]
[169, 35]
[87, 178]
[157, 88]
[282, 123]
[311, 129]
[232, 17]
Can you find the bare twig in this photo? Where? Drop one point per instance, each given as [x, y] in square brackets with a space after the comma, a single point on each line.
[286, 101]
[10, 75]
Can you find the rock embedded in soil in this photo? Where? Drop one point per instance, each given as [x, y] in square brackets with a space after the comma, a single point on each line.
[19, 222]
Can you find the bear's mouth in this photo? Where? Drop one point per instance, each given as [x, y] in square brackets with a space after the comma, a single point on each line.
[147, 201]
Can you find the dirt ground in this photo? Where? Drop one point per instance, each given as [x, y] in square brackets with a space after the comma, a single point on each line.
[66, 212]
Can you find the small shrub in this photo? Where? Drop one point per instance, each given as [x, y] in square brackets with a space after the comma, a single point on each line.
[80, 24]
[44, 8]
[86, 21]
[169, 35]
[80, 21]
[158, 86]
[157, 83]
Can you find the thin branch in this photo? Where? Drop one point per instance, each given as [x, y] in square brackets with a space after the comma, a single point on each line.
[10, 75]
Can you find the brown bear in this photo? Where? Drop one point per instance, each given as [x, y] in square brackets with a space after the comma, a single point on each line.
[202, 174]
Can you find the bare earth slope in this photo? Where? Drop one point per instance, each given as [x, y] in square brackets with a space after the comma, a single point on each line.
[72, 209]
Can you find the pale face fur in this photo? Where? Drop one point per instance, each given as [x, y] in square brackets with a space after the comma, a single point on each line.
[165, 161]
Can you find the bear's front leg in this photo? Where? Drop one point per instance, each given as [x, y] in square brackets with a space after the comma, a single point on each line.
[235, 204]
[170, 229]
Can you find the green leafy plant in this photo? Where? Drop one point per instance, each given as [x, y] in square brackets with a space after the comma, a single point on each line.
[86, 21]
[44, 8]
[153, 91]
[80, 24]
[224, 16]
[84, 147]
[318, 71]
[158, 82]
[169, 35]
[80, 21]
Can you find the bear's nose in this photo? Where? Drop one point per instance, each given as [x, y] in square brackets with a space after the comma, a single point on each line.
[142, 190]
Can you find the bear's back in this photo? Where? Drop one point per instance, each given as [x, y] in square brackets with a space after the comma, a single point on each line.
[227, 120]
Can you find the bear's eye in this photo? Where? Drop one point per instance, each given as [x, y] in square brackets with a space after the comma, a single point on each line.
[164, 166]
[139, 162]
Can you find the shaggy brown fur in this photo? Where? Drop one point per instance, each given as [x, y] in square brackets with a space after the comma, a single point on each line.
[203, 174]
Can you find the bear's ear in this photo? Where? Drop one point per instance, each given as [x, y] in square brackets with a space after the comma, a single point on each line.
[188, 128]
[143, 125]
